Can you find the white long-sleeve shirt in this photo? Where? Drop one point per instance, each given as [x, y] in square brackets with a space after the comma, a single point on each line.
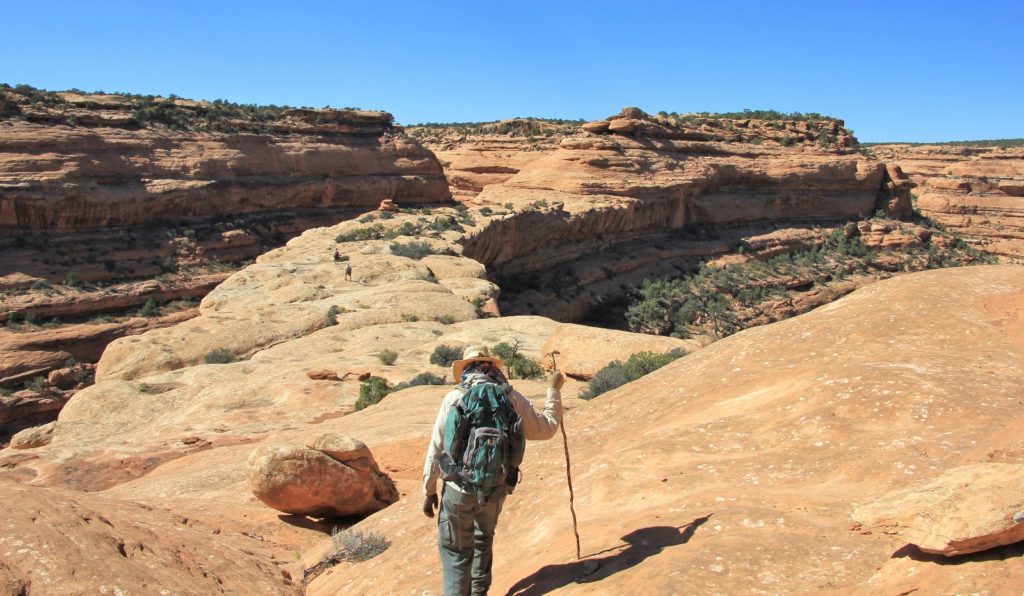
[537, 426]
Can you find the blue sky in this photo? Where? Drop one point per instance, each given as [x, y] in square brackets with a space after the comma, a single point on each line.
[908, 71]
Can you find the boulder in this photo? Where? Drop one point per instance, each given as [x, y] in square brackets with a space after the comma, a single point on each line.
[323, 375]
[308, 481]
[621, 125]
[965, 510]
[389, 205]
[36, 436]
[596, 127]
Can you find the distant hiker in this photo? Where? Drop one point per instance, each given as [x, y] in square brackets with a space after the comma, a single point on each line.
[475, 448]
[348, 271]
[337, 257]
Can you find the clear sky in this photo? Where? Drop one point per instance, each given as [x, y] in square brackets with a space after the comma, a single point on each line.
[908, 71]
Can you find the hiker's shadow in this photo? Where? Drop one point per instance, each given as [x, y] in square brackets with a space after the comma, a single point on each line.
[640, 544]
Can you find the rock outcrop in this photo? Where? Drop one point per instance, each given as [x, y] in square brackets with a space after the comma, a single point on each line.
[613, 207]
[965, 510]
[331, 477]
[976, 191]
[762, 443]
[474, 156]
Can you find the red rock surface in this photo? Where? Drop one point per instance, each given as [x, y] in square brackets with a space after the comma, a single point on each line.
[976, 191]
[738, 467]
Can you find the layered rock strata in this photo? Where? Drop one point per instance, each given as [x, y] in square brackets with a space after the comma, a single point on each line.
[649, 197]
[475, 156]
[975, 191]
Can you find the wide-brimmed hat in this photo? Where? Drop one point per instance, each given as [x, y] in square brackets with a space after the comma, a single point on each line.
[474, 354]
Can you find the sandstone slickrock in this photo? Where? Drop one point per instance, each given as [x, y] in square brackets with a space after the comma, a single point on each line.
[36, 436]
[60, 541]
[582, 351]
[746, 467]
[965, 510]
[335, 476]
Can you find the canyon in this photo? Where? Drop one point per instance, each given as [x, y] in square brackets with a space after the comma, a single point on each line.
[750, 455]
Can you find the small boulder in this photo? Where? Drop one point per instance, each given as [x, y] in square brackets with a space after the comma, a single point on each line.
[621, 126]
[37, 436]
[388, 205]
[323, 375]
[967, 509]
[307, 481]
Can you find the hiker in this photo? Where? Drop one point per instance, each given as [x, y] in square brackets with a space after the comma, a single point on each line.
[469, 511]
[348, 271]
[337, 257]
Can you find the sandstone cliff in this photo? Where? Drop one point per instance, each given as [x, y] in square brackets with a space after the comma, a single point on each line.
[637, 197]
[101, 193]
[976, 191]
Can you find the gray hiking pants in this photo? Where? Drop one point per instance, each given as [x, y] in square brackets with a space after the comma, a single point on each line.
[465, 534]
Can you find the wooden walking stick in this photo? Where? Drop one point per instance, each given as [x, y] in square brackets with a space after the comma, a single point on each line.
[568, 467]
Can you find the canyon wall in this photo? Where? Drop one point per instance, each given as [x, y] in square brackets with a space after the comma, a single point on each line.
[634, 197]
[977, 192]
[109, 201]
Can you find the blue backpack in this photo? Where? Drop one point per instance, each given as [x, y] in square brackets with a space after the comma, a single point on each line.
[484, 441]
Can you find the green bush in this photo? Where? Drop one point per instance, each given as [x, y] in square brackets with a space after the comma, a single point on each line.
[37, 384]
[445, 355]
[332, 315]
[387, 357]
[485, 211]
[412, 250]
[373, 232]
[371, 391]
[426, 378]
[219, 356]
[445, 319]
[617, 373]
[517, 364]
[72, 280]
[149, 309]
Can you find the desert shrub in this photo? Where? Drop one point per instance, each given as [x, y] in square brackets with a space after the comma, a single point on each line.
[37, 384]
[387, 357]
[373, 232]
[30, 317]
[406, 229]
[371, 391]
[445, 319]
[410, 318]
[219, 356]
[332, 315]
[72, 280]
[4, 392]
[40, 284]
[149, 309]
[355, 545]
[617, 373]
[425, 378]
[412, 250]
[485, 211]
[517, 364]
[612, 376]
[385, 215]
[445, 355]
[444, 223]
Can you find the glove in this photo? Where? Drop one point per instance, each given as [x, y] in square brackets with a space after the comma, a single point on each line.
[429, 504]
[555, 380]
